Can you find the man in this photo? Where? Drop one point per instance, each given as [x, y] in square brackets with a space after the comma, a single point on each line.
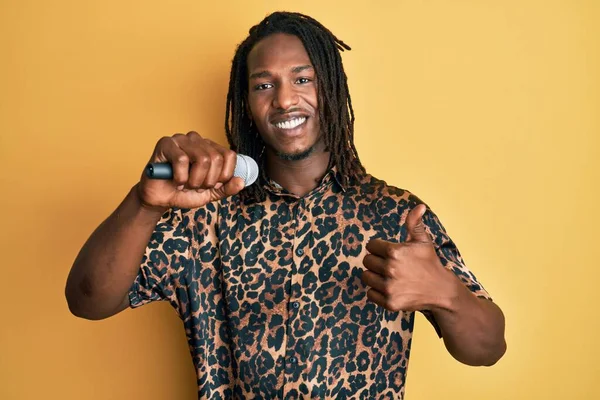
[305, 283]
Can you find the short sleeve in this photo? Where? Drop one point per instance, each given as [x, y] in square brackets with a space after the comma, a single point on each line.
[450, 258]
[167, 252]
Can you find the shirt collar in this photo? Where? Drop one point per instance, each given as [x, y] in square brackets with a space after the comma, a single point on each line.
[332, 176]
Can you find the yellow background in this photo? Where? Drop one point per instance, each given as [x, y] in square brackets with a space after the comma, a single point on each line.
[488, 110]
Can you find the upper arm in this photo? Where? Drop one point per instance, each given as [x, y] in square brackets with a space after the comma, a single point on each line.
[451, 259]
[166, 254]
[450, 256]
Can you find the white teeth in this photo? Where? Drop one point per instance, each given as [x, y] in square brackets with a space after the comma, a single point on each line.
[290, 124]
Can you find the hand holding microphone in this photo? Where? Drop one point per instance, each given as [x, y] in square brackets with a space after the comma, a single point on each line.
[245, 168]
[188, 171]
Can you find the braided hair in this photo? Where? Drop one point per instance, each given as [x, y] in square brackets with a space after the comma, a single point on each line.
[336, 115]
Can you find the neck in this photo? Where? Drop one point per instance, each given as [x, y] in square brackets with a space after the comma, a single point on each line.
[298, 177]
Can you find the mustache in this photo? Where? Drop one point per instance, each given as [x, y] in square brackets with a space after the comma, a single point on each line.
[290, 111]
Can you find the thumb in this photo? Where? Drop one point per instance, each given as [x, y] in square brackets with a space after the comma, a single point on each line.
[415, 225]
[234, 186]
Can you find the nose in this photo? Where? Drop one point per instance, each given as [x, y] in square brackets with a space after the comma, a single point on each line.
[285, 97]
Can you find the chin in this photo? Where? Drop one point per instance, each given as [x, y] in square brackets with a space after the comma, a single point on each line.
[295, 150]
[295, 156]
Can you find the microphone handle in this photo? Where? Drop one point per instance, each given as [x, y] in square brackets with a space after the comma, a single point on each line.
[159, 171]
[245, 168]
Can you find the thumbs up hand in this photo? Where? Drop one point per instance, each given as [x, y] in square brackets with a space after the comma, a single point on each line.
[408, 276]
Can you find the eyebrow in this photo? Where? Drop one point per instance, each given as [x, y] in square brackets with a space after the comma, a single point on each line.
[301, 68]
[267, 74]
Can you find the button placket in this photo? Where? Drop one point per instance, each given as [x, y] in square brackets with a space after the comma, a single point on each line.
[298, 213]
[298, 252]
[292, 360]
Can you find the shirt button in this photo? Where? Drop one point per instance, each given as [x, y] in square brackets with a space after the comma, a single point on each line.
[293, 360]
[296, 304]
[299, 252]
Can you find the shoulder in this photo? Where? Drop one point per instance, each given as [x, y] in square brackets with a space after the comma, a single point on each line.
[372, 189]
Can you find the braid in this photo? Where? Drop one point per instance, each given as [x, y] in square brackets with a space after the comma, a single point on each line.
[336, 116]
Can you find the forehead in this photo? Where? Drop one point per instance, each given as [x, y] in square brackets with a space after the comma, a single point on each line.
[277, 51]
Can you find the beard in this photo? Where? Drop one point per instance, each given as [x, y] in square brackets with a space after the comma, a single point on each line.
[301, 155]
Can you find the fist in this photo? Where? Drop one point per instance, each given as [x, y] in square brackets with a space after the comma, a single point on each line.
[202, 173]
[407, 276]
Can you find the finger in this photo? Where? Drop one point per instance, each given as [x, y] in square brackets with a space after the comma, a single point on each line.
[375, 281]
[377, 298]
[168, 150]
[214, 168]
[229, 161]
[394, 305]
[234, 186]
[383, 248]
[199, 169]
[193, 144]
[415, 226]
[375, 263]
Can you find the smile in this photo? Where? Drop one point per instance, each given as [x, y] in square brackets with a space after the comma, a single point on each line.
[291, 124]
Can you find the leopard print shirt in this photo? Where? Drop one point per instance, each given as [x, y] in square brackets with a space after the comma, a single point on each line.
[270, 293]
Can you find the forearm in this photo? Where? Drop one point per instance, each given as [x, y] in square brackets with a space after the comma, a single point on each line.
[109, 261]
[472, 327]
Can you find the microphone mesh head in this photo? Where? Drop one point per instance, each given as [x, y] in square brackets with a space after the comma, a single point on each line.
[246, 168]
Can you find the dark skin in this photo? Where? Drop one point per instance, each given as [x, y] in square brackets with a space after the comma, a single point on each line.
[107, 264]
[282, 90]
[409, 276]
[402, 276]
[283, 87]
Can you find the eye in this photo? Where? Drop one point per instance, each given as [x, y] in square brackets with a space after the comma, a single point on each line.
[263, 86]
[303, 80]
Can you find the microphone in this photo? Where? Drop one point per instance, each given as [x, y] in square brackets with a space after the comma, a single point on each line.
[245, 168]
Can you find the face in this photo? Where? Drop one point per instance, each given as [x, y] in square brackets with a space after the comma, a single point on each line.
[282, 97]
